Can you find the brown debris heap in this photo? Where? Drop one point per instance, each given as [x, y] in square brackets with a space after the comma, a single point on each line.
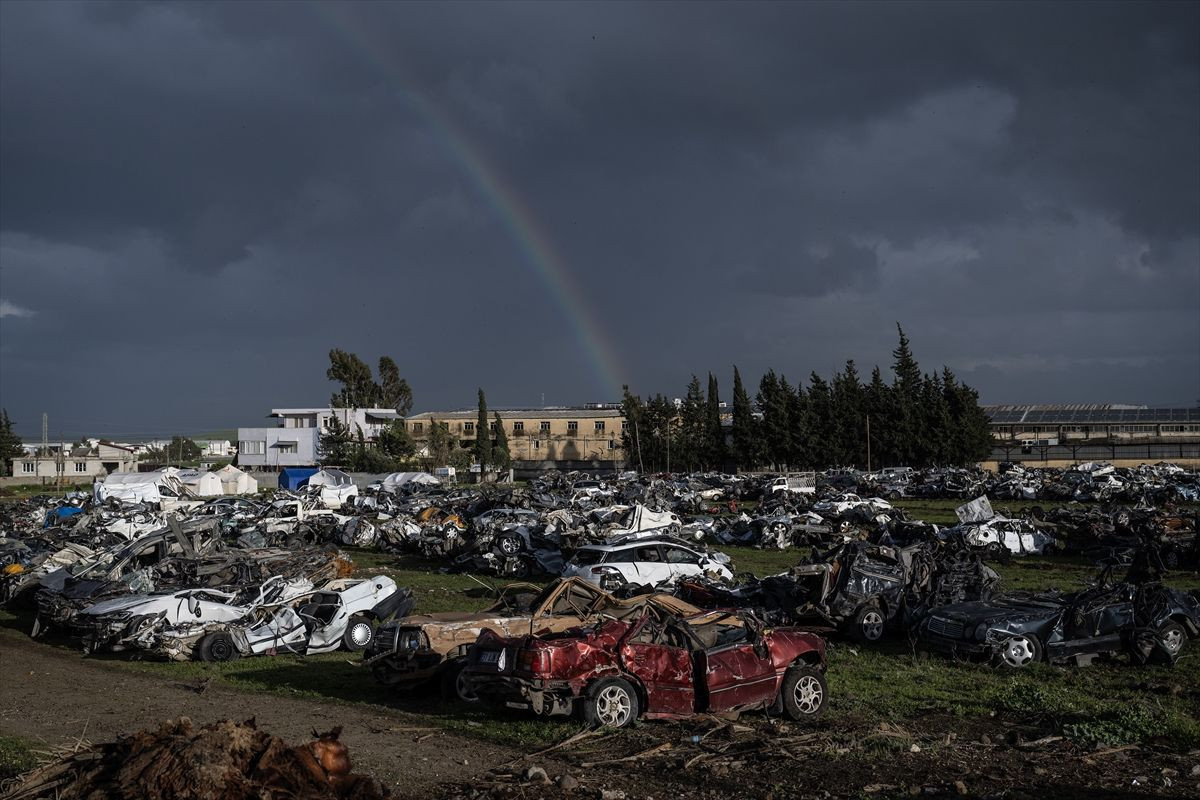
[223, 760]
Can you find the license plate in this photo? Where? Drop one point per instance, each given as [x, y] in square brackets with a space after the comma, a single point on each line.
[511, 704]
[489, 657]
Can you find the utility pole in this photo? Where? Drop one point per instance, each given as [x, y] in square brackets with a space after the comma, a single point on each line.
[637, 436]
[59, 463]
[868, 442]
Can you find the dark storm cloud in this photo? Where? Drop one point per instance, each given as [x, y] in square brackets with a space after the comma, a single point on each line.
[199, 200]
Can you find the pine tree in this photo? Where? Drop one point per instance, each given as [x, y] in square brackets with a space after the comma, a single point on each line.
[10, 444]
[501, 457]
[776, 427]
[359, 389]
[440, 443]
[717, 454]
[744, 433]
[880, 409]
[823, 440]
[849, 416]
[483, 442]
[334, 444]
[907, 424]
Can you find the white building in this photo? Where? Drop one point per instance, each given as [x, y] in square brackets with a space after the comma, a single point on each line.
[293, 442]
[77, 464]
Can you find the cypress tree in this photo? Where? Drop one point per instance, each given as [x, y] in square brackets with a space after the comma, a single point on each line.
[717, 454]
[483, 441]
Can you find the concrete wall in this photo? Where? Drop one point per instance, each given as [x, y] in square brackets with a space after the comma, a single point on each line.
[306, 447]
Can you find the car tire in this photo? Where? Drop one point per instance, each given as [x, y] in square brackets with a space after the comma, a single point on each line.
[1169, 643]
[453, 680]
[803, 694]
[868, 625]
[1020, 651]
[992, 550]
[509, 545]
[359, 634]
[217, 646]
[611, 703]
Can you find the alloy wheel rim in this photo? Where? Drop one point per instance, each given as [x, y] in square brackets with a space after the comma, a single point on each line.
[360, 634]
[872, 625]
[1018, 651]
[463, 689]
[808, 694]
[613, 706]
[1173, 641]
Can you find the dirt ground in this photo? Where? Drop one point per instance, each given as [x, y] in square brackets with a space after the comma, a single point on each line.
[57, 697]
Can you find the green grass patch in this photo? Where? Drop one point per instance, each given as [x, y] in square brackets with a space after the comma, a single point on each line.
[17, 756]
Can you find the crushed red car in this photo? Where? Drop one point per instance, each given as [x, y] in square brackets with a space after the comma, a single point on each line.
[656, 666]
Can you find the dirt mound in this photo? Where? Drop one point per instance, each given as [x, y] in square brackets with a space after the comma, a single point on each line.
[223, 760]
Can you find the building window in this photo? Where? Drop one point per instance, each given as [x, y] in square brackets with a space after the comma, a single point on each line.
[544, 427]
[27, 467]
[287, 448]
[418, 427]
[572, 428]
[518, 429]
[599, 426]
[81, 466]
[537, 444]
[612, 444]
[469, 428]
[624, 426]
[252, 447]
[495, 426]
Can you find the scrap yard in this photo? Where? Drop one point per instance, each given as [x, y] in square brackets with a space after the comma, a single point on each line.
[641, 400]
[753, 635]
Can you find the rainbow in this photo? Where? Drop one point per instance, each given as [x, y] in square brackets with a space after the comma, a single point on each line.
[516, 216]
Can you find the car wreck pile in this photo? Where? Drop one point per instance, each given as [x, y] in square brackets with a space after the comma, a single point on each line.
[643, 619]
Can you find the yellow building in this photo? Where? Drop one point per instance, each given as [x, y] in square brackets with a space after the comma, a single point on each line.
[572, 437]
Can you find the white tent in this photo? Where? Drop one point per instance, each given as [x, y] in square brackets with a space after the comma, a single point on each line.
[395, 480]
[201, 484]
[130, 487]
[336, 487]
[234, 481]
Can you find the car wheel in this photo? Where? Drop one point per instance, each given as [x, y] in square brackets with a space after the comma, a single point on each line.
[993, 550]
[1171, 639]
[803, 693]
[217, 646]
[868, 624]
[454, 682]
[612, 703]
[359, 633]
[1020, 651]
[509, 545]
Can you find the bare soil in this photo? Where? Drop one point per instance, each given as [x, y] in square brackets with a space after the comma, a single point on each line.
[57, 697]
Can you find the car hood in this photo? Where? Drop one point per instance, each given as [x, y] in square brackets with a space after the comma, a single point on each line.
[978, 611]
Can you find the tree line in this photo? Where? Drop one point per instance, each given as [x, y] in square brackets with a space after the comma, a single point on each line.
[917, 419]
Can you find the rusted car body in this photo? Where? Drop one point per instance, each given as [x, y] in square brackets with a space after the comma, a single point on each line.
[658, 666]
[425, 646]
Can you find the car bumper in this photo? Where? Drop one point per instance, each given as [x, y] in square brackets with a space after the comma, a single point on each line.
[954, 647]
[545, 698]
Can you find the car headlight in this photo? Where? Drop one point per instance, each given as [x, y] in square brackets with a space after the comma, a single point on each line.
[411, 640]
[981, 632]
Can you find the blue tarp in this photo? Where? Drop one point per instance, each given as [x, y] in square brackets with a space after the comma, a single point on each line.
[295, 477]
[61, 513]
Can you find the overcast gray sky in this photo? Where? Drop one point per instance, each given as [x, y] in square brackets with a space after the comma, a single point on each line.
[197, 201]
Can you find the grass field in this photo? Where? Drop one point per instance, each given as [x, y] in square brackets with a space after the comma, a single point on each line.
[1111, 703]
